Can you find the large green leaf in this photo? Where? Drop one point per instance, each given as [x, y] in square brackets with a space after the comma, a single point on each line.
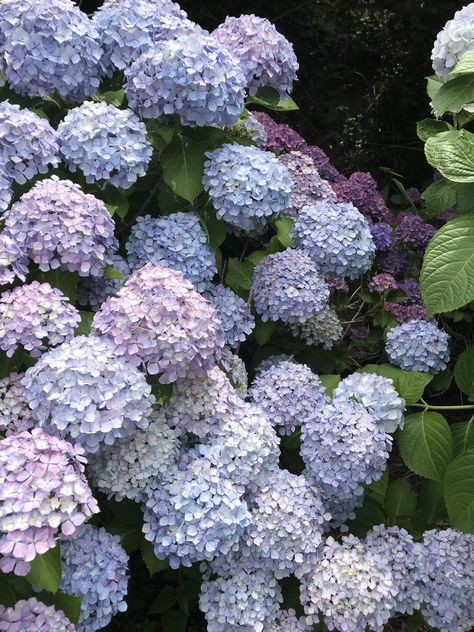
[464, 372]
[330, 382]
[452, 153]
[378, 489]
[69, 604]
[432, 508]
[426, 444]
[433, 84]
[439, 196]
[239, 274]
[370, 514]
[400, 499]
[463, 436]
[465, 65]
[270, 98]
[284, 226]
[45, 570]
[62, 280]
[447, 275]
[459, 492]
[409, 384]
[264, 330]
[153, 564]
[430, 127]
[454, 94]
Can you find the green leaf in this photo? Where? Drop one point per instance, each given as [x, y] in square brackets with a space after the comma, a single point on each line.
[85, 325]
[464, 197]
[64, 281]
[216, 229]
[431, 508]
[116, 202]
[165, 599]
[400, 499]
[452, 153]
[439, 196]
[264, 330]
[112, 97]
[465, 65]
[10, 365]
[464, 372]
[162, 392]
[430, 127]
[447, 274]
[426, 444]
[153, 564]
[370, 514]
[239, 274]
[409, 384]
[433, 84]
[46, 571]
[463, 436]
[284, 227]
[112, 273]
[256, 256]
[454, 94]
[459, 492]
[270, 99]
[378, 489]
[69, 604]
[160, 135]
[330, 382]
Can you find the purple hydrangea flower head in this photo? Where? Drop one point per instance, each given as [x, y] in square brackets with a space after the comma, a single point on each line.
[13, 260]
[405, 313]
[28, 143]
[265, 55]
[83, 390]
[236, 318]
[455, 38]
[246, 185]
[360, 189]
[414, 194]
[51, 46]
[193, 76]
[5, 188]
[43, 490]
[234, 368]
[35, 316]
[418, 345]
[94, 291]
[60, 226]
[336, 236]
[445, 565]
[413, 231]
[288, 392]
[287, 620]
[377, 395]
[289, 286]
[105, 143]
[158, 320]
[383, 282]
[411, 288]
[280, 135]
[31, 615]
[352, 586]
[343, 446]
[15, 414]
[94, 566]
[196, 516]
[175, 241]
[128, 28]
[246, 600]
[308, 186]
[323, 328]
[382, 236]
[394, 261]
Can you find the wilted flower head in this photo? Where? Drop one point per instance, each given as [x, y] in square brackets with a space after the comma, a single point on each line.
[31, 614]
[265, 55]
[13, 260]
[175, 241]
[289, 286]
[336, 236]
[456, 37]
[94, 291]
[60, 226]
[28, 143]
[83, 390]
[418, 345]
[246, 185]
[94, 566]
[105, 143]
[323, 328]
[233, 312]
[193, 76]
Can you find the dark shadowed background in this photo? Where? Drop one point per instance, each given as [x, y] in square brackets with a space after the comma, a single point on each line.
[362, 66]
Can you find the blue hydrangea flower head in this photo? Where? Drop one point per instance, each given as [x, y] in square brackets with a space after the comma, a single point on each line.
[265, 55]
[377, 395]
[382, 236]
[28, 143]
[235, 315]
[193, 76]
[177, 241]
[82, 390]
[418, 345]
[246, 185]
[94, 566]
[289, 286]
[336, 236]
[93, 291]
[51, 46]
[105, 143]
[288, 392]
[455, 38]
[31, 614]
[323, 328]
[60, 226]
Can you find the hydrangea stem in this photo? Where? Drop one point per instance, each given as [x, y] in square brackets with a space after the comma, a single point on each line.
[427, 406]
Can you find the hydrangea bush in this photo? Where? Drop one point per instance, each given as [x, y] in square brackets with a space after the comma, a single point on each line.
[235, 382]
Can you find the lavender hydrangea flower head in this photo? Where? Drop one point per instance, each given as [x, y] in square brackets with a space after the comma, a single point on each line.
[94, 291]
[60, 226]
[52, 46]
[15, 414]
[289, 286]
[193, 76]
[382, 236]
[128, 28]
[446, 575]
[157, 319]
[287, 620]
[234, 368]
[288, 392]
[31, 614]
[418, 345]
[405, 313]
[28, 143]
[43, 490]
[13, 260]
[235, 315]
[5, 188]
[360, 189]
[377, 395]
[246, 600]
[413, 231]
[95, 566]
[105, 143]
[265, 55]
[351, 586]
[336, 236]
[175, 241]
[246, 185]
[83, 390]
[35, 316]
[455, 38]
[323, 328]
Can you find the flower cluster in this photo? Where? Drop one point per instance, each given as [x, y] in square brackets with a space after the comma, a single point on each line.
[382, 236]
[456, 37]
[405, 313]
[360, 189]
[30, 614]
[233, 312]
[323, 328]
[413, 231]
[15, 414]
[418, 345]
[383, 282]
[13, 260]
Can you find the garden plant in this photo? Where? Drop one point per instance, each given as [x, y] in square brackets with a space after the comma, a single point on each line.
[237, 385]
